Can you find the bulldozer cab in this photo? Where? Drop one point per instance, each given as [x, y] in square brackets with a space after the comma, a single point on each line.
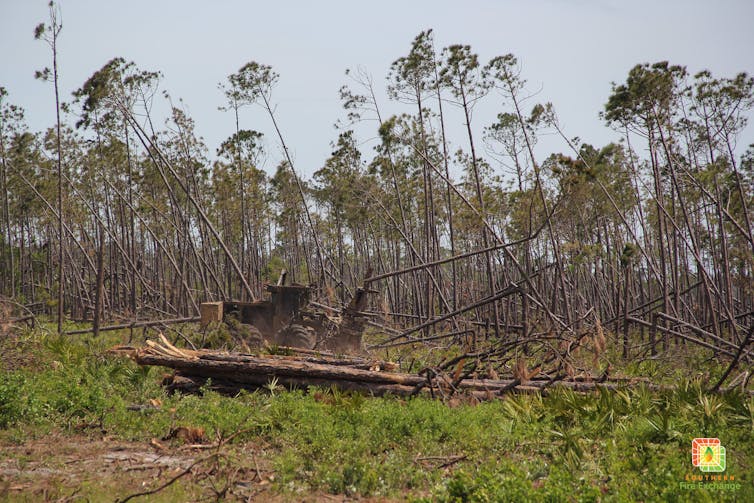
[287, 301]
[268, 316]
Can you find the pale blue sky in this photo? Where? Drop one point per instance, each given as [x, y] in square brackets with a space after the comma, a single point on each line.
[570, 51]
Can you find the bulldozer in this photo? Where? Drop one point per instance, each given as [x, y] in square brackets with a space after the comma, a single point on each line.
[287, 317]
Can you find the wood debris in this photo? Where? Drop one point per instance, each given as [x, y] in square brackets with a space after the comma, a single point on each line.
[231, 372]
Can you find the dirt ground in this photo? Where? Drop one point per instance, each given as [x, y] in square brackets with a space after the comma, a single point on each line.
[65, 468]
[60, 465]
[81, 468]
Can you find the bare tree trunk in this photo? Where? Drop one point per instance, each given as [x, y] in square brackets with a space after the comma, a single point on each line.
[480, 197]
[448, 197]
[300, 188]
[61, 278]
[6, 213]
[100, 282]
[147, 142]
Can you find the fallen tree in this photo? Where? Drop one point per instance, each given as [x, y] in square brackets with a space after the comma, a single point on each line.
[231, 372]
[136, 324]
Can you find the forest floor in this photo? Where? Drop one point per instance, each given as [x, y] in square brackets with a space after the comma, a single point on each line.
[61, 466]
[77, 424]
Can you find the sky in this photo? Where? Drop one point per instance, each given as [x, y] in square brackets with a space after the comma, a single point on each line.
[569, 50]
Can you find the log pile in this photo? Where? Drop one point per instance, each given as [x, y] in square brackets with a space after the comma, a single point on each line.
[231, 372]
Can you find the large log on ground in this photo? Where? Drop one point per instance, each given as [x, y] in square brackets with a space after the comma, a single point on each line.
[247, 371]
[352, 362]
[193, 384]
[251, 366]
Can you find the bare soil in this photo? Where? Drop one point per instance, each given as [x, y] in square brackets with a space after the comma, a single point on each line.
[67, 468]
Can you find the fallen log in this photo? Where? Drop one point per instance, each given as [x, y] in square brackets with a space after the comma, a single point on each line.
[30, 320]
[506, 292]
[427, 265]
[192, 384]
[229, 386]
[687, 337]
[255, 381]
[356, 363]
[136, 324]
[733, 364]
[232, 372]
[252, 366]
[699, 331]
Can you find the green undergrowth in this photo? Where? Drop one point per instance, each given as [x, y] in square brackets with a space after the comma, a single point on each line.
[625, 445]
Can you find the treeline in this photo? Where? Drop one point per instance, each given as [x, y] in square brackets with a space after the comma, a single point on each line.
[652, 231]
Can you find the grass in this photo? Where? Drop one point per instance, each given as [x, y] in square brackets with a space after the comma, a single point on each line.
[626, 445]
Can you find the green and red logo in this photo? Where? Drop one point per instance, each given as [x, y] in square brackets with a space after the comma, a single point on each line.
[708, 455]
